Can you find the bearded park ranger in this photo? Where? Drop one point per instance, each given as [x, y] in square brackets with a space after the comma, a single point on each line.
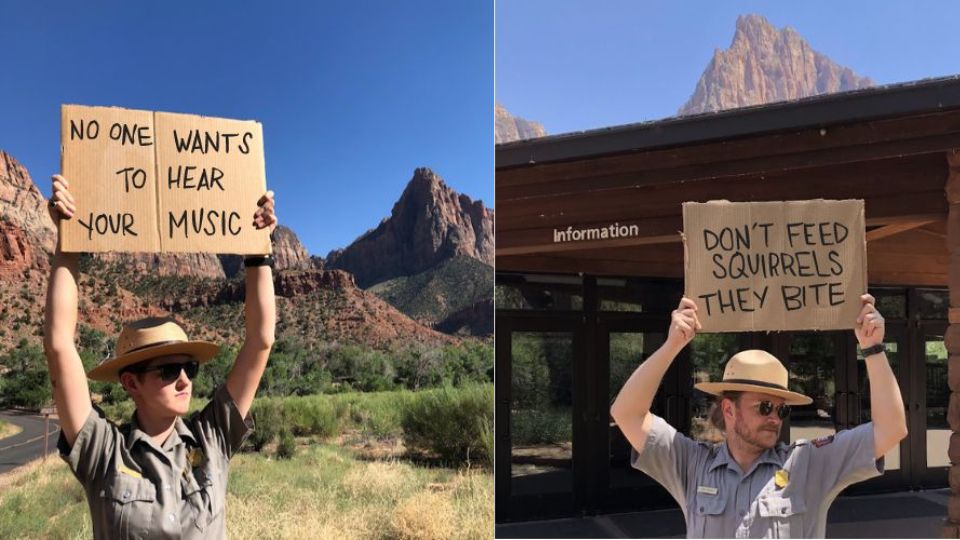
[159, 476]
[749, 486]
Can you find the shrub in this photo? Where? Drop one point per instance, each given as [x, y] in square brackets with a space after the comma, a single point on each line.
[268, 420]
[213, 374]
[119, 411]
[312, 415]
[486, 439]
[287, 446]
[27, 383]
[449, 422]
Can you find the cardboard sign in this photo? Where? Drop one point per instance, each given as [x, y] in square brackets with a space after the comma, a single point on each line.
[161, 182]
[790, 265]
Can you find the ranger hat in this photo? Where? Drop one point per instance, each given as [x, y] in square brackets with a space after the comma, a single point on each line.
[149, 338]
[755, 371]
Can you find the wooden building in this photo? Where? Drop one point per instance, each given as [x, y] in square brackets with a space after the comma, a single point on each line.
[575, 317]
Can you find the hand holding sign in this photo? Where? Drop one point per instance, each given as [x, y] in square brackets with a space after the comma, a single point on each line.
[870, 324]
[265, 216]
[61, 201]
[684, 324]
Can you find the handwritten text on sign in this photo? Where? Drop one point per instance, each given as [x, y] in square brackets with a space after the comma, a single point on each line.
[161, 182]
[789, 265]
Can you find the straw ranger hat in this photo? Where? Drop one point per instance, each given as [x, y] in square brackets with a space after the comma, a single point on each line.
[755, 371]
[150, 338]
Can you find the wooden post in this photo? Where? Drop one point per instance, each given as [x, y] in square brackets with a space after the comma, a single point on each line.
[46, 435]
[46, 412]
[951, 525]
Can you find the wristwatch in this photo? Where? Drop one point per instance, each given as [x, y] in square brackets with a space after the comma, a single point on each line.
[873, 349]
[258, 260]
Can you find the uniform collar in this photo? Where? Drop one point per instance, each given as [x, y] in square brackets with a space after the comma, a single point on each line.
[180, 433]
[723, 457]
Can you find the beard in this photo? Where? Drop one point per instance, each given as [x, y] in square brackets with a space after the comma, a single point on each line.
[755, 438]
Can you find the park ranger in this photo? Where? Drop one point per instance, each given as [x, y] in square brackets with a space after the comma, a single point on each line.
[160, 476]
[749, 486]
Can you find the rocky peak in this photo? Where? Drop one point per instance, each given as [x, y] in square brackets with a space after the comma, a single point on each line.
[27, 234]
[428, 224]
[764, 65]
[513, 128]
[288, 252]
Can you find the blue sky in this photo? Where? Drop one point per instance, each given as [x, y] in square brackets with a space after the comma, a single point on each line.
[353, 96]
[576, 65]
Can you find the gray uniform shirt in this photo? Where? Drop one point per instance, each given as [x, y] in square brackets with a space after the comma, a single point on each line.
[137, 489]
[721, 501]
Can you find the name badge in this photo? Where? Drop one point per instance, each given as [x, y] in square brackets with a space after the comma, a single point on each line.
[707, 490]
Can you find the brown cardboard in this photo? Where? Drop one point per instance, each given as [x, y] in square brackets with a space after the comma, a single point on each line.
[788, 265]
[112, 179]
[210, 175]
[195, 188]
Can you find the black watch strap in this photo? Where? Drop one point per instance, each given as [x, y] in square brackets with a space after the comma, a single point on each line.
[873, 349]
[258, 260]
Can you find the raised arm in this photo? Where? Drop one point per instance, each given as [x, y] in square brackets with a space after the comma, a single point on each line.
[260, 311]
[67, 377]
[886, 404]
[630, 409]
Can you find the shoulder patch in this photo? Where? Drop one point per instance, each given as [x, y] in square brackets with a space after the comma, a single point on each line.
[823, 441]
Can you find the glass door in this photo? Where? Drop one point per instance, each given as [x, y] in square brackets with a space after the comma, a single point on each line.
[896, 461]
[929, 431]
[538, 395]
[816, 362]
[625, 345]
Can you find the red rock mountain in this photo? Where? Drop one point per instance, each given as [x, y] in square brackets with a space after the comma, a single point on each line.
[429, 224]
[764, 65]
[26, 230]
[315, 306]
[513, 128]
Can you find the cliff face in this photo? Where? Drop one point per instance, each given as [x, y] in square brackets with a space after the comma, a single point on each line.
[27, 234]
[764, 65]
[167, 264]
[429, 224]
[512, 128]
[288, 252]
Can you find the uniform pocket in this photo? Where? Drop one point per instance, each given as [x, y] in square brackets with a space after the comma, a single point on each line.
[783, 514]
[707, 509]
[128, 503]
[202, 489]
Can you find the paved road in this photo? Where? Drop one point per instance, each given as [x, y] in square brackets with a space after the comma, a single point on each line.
[28, 444]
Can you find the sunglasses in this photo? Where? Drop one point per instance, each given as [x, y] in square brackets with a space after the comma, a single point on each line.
[766, 407]
[171, 372]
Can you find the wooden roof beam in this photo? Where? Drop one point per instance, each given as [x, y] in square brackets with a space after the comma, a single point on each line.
[895, 228]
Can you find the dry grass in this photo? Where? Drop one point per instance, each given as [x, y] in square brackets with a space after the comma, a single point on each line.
[325, 491]
[8, 430]
[377, 478]
[423, 516]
